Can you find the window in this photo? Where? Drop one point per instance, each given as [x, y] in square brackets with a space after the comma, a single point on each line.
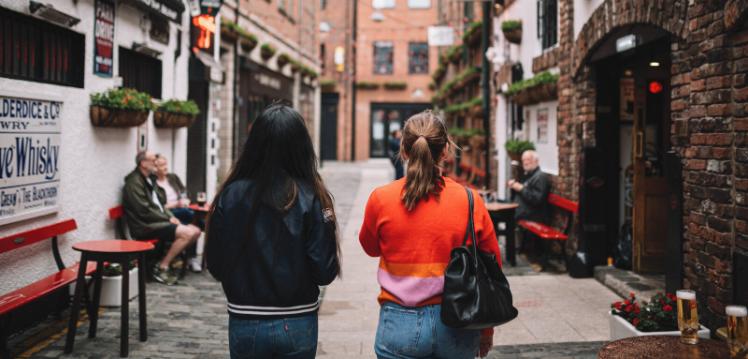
[323, 4]
[322, 54]
[418, 58]
[547, 22]
[140, 72]
[382, 4]
[35, 50]
[419, 4]
[383, 57]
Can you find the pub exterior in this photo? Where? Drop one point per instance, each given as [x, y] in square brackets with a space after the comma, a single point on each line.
[53, 55]
[652, 137]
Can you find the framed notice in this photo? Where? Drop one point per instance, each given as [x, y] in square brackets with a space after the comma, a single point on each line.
[542, 135]
[104, 38]
[29, 158]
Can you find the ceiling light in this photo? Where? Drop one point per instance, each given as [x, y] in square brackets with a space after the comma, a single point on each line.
[654, 64]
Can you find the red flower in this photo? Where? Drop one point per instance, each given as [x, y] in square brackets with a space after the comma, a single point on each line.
[632, 295]
[629, 308]
[617, 305]
[667, 308]
[635, 321]
[637, 310]
[626, 302]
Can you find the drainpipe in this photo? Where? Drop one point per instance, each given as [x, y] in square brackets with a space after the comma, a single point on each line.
[353, 82]
[486, 88]
[235, 85]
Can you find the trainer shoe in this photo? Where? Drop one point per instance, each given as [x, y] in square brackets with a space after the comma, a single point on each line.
[163, 276]
[195, 264]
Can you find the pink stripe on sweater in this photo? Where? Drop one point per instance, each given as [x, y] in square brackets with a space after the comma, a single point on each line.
[410, 290]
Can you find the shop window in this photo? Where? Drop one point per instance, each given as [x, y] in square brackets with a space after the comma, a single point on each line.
[383, 57]
[35, 50]
[382, 4]
[419, 4]
[140, 72]
[547, 22]
[418, 58]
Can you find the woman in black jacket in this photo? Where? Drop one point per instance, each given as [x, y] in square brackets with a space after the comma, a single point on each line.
[272, 240]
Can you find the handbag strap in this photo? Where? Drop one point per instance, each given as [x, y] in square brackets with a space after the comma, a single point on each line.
[470, 231]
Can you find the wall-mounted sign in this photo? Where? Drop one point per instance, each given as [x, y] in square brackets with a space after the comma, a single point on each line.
[625, 43]
[441, 35]
[29, 158]
[198, 7]
[170, 9]
[103, 38]
[542, 130]
[204, 27]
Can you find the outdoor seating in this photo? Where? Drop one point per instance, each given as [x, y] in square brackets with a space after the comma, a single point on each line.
[546, 232]
[18, 298]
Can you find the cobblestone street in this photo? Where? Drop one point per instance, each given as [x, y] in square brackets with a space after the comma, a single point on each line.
[560, 317]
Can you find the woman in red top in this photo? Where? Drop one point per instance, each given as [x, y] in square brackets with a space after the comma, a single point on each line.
[412, 224]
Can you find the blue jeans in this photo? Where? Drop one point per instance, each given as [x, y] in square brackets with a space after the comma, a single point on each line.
[293, 338]
[405, 332]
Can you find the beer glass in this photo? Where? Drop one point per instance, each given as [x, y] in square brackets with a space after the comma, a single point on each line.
[737, 331]
[688, 317]
[201, 198]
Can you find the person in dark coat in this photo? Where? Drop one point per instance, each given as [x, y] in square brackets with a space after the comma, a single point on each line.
[394, 152]
[531, 193]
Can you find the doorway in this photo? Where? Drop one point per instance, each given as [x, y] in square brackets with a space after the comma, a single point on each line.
[633, 136]
[386, 118]
[329, 127]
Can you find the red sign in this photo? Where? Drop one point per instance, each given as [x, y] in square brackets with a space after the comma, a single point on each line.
[104, 38]
[655, 87]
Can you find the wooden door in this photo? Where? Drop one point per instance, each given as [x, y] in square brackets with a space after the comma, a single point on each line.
[651, 196]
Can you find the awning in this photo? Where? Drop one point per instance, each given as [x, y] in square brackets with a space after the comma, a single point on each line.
[169, 9]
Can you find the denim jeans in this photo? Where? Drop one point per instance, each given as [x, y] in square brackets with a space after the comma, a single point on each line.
[405, 332]
[293, 338]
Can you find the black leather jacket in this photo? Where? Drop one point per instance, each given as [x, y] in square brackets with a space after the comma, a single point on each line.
[533, 199]
[275, 271]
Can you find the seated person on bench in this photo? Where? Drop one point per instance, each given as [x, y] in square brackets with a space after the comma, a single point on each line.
[532, 192]
[148, 218]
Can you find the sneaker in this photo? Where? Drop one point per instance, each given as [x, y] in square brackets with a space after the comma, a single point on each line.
[163, 276]
[195, 264]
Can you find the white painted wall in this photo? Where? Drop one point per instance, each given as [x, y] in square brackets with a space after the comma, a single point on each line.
[583, 9]
[94, 160]
[548, 150]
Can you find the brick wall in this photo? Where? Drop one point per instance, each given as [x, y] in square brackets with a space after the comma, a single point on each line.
[709, 109]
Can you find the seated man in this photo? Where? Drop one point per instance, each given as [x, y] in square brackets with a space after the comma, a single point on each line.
[177, 202]
[532, 192]
[147, 217]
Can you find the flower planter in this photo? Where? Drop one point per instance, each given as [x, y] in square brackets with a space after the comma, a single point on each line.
[620, 328]
[228, 34]
[111, 289]
[164, 119]
[247, 44]
[514, 36]
[112, 117]
[536, 94]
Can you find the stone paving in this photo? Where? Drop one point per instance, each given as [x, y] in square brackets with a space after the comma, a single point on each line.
[560, 317]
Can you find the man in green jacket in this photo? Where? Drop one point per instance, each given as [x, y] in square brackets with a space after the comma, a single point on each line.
[148, 218]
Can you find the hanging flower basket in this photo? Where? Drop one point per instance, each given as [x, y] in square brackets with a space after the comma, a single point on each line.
[229, 30]
[113, 117]
[163, 119]
[247, 44]
[512, 30]
[267, 51]
[282, 60]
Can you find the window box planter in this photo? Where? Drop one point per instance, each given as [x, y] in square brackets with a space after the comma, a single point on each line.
[512, 30]
[535, 94]
[364, 85]
[620, 328]
[114, 117]
[111, 288]
[455, 54]
[395, 86]
[327, 85]
[164, 119]
[473, 34]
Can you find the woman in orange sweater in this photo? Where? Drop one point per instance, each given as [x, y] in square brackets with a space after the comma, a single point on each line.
[412, 224]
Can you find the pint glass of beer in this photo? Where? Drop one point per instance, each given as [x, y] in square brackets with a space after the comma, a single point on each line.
[737, 331]
[688, 317]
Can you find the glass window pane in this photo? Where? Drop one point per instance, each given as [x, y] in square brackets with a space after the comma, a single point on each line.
[419, 4]
[418, 58]
[382, 4]
[383, 57]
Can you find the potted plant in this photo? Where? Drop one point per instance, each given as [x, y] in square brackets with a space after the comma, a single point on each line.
[366, 85]
[512, 30]
[267, 51]
[515, 148]
[282, 60]
[455, 54]
[247, 41]
[229, 30]
[539, 88]
[395, 85]
[473, 32]
[111, 284]
[327, 85]
[659, 316]
[120, 107]
[176, 113]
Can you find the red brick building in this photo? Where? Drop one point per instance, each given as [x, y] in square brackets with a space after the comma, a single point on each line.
[656, 93]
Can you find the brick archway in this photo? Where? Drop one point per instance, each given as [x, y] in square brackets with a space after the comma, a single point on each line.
[669, 15]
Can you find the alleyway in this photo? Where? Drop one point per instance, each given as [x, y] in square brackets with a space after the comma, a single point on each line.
[559, 317]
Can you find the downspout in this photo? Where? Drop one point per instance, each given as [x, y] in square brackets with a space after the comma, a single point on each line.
[235, 106]
[486, 88]
[353, 80]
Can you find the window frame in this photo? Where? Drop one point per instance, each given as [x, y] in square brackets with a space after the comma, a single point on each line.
[547, 23]
[411, 65]
[156, 86]
[375, 63]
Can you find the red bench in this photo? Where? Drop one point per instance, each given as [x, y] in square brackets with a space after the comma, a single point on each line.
[546, 232]
[45, 286]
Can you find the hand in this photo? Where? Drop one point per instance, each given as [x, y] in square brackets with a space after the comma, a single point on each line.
[517, 186]
[486, 343]
[184, 202]
[174, 220]
[510, 182]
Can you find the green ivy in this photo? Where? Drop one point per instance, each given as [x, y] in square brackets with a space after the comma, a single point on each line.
[544, 77]
[186, 107]
[123, 98]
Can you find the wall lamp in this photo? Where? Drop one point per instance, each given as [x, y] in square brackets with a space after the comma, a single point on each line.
[48, 12]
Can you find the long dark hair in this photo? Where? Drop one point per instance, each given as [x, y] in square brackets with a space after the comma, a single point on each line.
[424, 139]
[277, 156]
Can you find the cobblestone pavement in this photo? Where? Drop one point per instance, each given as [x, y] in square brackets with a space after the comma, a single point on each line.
[190, 320]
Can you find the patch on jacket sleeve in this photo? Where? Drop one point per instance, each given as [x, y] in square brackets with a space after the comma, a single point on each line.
[328, 214]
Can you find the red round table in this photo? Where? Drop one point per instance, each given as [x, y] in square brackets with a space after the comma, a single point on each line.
[113, 251]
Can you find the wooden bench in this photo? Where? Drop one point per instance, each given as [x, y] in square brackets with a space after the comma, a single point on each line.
[9, 302]
[546, 232]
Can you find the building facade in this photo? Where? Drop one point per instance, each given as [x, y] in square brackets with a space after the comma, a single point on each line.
[53, 59]
[652, 100]
[393, 62]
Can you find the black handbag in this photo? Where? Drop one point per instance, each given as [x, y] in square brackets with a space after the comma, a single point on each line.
[476, 293]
